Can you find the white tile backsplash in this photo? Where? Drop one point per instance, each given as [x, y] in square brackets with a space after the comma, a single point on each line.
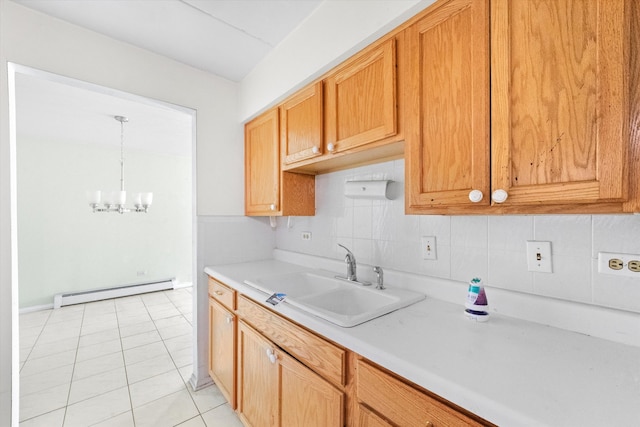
[226, 240]
[508, 270]
[569, 234]
[509, 233]
[616, 233]
[491, 247]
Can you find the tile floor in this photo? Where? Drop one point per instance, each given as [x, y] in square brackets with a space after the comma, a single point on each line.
[122, 362]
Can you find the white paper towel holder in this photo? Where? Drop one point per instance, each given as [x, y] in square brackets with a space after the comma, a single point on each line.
[376, 189]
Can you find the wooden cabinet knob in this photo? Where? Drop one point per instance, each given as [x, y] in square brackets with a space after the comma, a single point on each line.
[499, 196]
[429, 424]
[219, 293]
[475, 196]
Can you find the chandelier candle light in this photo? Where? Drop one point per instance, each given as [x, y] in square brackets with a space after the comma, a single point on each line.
[114, 201]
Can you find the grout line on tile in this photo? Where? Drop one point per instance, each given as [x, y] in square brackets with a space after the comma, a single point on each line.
[34, 341]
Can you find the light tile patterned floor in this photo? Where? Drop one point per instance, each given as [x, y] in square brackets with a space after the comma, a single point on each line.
[123, 362]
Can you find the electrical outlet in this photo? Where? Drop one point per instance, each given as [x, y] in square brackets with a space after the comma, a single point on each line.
[539, 256]
[306, 235]
[616, 264]
[429, 247]
[619, 264]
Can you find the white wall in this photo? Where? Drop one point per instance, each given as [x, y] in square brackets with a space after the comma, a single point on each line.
[79, 250]
[35, 40]
[49, 44]
[490, 247]
[335, 31]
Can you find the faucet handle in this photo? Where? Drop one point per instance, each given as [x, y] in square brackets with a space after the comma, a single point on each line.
[378, 270]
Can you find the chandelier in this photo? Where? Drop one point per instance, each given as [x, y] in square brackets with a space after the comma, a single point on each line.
[114, 201]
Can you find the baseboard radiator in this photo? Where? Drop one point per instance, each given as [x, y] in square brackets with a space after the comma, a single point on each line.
[70, 298]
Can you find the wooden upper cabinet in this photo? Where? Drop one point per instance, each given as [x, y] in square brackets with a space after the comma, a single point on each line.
[268, 190]
[262, 164]
[301, 125]
[447, 118]
[361, 104]
[559, 106]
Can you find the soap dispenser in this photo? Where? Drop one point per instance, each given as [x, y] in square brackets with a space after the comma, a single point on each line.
[476, 306]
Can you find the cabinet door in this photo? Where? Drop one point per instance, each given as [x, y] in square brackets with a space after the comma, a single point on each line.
[301, 125]
[447, 129]
[368, 418]
[262, 164]
[361, 99]
[559, 100]
[257, 379]
[306, 399]
[222, 350]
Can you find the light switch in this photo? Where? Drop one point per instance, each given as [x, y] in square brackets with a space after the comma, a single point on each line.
[539, 256]
[429, 247]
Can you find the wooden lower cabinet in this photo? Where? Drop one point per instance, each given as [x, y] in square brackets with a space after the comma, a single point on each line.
[222, 354]
[274, 389]
[394, 402]
[368, 418]
[257, 379]
[306, 399]
[276, 373]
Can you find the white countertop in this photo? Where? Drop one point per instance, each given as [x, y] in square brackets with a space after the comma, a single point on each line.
[508, 371]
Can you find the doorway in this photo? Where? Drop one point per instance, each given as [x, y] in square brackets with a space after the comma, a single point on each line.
[67, 142]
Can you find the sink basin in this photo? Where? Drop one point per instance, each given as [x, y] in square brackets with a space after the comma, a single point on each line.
[296, 284]
[340, 302]
[348, 302]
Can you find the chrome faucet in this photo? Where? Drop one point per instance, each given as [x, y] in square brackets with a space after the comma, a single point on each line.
[350, 259]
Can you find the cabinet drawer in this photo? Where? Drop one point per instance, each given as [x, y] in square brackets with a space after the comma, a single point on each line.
[321, 356]
[221, 292]
[402, 404]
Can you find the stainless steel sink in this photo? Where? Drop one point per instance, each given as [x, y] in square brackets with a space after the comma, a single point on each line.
[340, 302]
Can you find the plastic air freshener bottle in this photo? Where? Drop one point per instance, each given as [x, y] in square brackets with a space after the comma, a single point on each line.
[476, 306]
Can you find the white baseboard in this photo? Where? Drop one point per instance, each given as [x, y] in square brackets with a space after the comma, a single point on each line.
[60, 300]
[35, 308]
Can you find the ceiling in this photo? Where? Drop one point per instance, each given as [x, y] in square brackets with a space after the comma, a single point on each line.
[224, 37]
[67, 111]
